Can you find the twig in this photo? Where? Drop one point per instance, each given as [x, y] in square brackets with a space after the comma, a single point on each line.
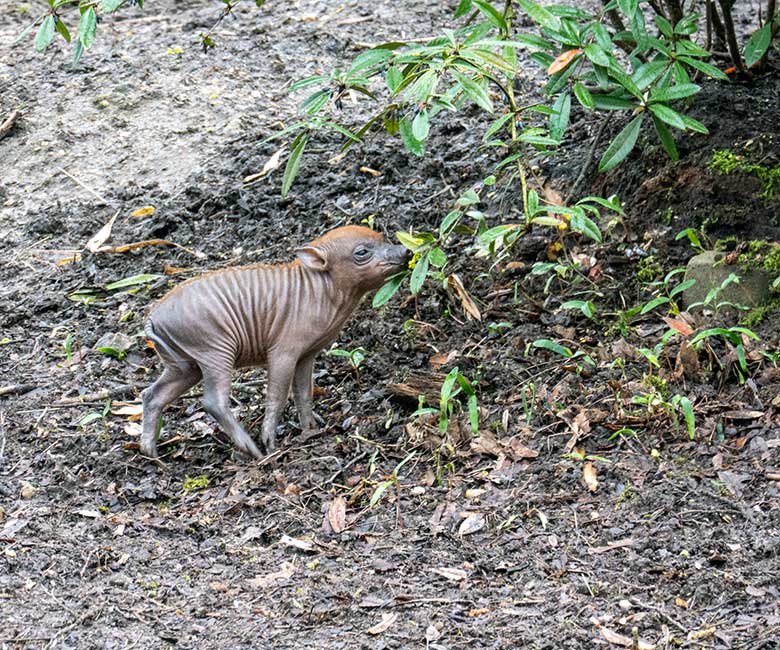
[6, 126]
[588, 162]
[82, 185]
[17, 389]
[100, 395]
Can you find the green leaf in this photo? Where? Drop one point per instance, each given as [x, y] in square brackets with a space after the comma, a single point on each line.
[308, 81]
[648, 73]
[473, 413]
[419, 273]
[294, 161]
[551, 346]
[579, 222]
[78, 52]
[23, 34]
[464, 6]
[680, 91]
[666, 138]
[664, 25]
[706, 68]
[612, 103]
[583, 96]
[668, 115]
[388, 289]
[694, 125]
[649, 306]
[690, 418]
[45, 34]
[622, 145]
[378, 492]
[596, 54]
[424, 86]
[491, 13]
[559, 120]
[407, 135]
[757, 45]
[437, 257]
[420, 126]
[539, 14]
[132, 281]
[109, 6]
[448, 222]
[87, 27]
[394, 78]
[496, 126]
[473, 90]
[314, 102]
[368, 59]
[63, 30]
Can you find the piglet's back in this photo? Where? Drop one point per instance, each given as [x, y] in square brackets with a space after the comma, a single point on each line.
[228, 317]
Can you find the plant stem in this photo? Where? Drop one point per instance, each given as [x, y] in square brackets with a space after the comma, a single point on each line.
[731, 35]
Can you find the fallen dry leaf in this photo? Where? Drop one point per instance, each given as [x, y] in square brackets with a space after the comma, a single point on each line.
[124, 248]
[285, 571]
[132, 411]
[271, 164]
[102, 235]
[442, 358]
[622, 640]
[519, 451]
[473, 613]
[562, 61]
[679, 325]
[469, 306]
[471, 524]
[580, 427]
[451, 573]
[589, 475]
[337, 514]
[485, 444]
[146, 211]
[384, 624]
[300, 544]
[76, 257]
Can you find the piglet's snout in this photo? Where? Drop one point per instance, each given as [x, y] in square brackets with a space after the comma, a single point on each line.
[397, 256]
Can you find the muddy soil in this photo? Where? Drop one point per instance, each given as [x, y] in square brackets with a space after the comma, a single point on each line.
[500, 540]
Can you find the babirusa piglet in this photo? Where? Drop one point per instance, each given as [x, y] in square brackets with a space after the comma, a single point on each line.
[279, 316]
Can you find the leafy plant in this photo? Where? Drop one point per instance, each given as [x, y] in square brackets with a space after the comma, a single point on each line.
[732, 336]
[655, 403]
[355, 357]
[391, 481]
[668, 292]
[454, 384]
[96, 415]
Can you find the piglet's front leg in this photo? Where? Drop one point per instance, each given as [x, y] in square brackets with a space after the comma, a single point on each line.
[302, 392]
[281, 368]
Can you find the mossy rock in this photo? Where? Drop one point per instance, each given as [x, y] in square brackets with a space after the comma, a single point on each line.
[710, 270]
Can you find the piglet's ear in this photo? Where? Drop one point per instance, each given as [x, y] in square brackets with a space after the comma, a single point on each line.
[312, 258]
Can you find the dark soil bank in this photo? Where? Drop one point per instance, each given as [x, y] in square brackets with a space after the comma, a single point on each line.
[497, 542]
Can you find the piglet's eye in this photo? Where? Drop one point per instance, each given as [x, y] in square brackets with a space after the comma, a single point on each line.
[362, 254]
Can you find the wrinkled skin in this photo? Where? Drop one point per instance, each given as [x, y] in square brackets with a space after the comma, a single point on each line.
[278, 316]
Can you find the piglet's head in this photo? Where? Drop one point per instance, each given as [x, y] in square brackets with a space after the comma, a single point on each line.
[357, 258]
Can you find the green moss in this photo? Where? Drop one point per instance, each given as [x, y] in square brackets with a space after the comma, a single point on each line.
[727, 162]
[772, 260]
[758, 315]
[197, 483]
[727, 243]
[760, 254]
[648, 269]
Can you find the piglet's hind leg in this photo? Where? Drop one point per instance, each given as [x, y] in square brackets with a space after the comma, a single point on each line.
[216, 400]
[171, 384]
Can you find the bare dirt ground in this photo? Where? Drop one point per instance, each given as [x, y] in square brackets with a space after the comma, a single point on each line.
[494, 543]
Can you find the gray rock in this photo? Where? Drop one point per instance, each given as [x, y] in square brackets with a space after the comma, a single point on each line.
[710, 271]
